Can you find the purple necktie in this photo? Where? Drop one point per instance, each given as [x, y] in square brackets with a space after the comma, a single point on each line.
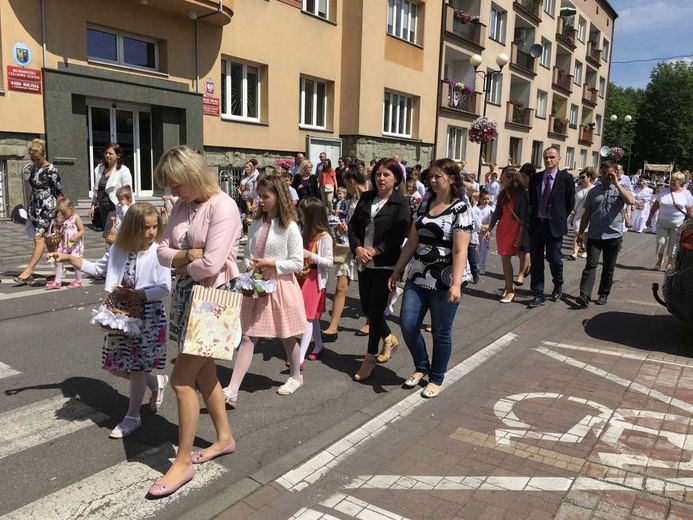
[545, 197]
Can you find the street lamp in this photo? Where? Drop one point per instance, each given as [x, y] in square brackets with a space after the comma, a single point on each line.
[475, 60]
[627, 119]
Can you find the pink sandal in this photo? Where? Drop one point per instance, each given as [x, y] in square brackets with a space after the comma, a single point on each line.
[75, 284]
[53, 285]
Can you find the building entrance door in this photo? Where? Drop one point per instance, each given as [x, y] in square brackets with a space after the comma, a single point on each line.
[131, 127]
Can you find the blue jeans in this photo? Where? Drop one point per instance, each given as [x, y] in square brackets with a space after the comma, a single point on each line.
[416, 302]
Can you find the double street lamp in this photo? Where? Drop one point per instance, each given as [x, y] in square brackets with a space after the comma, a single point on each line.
[627, 119]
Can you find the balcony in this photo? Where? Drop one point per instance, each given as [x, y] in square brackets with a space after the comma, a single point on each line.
[593, 55]
[529, 9]
[517, 115]
[561, 81]
[473, 32]
[522, 62]
[558, 127]
[213, 11]
[589, 95]
[565, 34]
[586, 135]
[460, 100]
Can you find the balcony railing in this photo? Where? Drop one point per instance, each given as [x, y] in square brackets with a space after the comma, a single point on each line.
[472, 32]
[460, 99]
[589, 95]
[523, 60]
[530, 7]
[565, 33]
[593, 53]
[519, 116]
[558, 125]
[586, 134]
[561, 80]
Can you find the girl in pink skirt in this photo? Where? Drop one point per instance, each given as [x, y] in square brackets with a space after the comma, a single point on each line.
[275, 249]
[317, 244]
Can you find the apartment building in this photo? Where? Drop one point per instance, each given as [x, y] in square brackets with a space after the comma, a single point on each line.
[549, 91]
[231, 78]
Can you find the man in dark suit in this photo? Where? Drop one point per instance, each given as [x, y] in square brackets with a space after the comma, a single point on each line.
[551, 199]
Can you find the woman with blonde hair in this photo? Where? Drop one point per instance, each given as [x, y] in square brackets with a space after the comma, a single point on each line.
[305, 184]
[201, 244]
[46, 189]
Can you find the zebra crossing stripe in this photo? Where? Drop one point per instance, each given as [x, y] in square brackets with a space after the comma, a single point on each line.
[118, 492]
[47, 420]
[7, 371]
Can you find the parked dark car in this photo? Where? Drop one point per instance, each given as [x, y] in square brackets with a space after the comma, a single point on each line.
[678, 281]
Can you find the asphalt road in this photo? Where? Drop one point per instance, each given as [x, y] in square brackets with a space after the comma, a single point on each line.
[58, 408]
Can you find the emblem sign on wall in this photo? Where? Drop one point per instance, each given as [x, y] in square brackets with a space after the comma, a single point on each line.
[21, 78]
[210, 104]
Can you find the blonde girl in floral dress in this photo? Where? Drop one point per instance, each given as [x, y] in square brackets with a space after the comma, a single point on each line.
[71, 243]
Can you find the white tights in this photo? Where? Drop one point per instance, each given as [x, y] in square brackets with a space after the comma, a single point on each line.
[59, 273]
[312, 331]
[139, 382]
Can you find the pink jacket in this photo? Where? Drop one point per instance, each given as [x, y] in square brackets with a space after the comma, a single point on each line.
[216, 228]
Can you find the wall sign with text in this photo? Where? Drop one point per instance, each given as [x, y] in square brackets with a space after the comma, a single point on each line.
[22, 79]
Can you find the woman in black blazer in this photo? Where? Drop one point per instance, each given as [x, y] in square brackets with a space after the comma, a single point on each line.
[376, 232]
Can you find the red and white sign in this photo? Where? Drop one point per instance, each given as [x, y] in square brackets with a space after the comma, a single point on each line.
[210, 106]
[209, 87]
[21, 79]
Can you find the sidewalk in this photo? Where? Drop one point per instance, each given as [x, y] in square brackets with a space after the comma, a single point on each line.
[574, 414]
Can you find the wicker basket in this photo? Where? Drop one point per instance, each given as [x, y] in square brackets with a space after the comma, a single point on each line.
[53, 237]
[119, 311]
[110, 238]
[340, 252]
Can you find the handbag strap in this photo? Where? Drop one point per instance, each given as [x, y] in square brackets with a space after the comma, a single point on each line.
[676, 205]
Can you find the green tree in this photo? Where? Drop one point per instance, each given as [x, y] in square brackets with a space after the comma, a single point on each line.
[622, 102]
[664, 127]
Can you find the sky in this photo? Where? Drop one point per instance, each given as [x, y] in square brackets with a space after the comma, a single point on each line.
[649, 29]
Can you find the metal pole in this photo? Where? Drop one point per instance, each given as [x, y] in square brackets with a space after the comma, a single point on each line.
[487, 78]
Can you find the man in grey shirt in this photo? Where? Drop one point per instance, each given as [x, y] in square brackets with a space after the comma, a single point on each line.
[604, 205]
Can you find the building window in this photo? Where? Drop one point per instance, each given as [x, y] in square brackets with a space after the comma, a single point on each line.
[313, 103]
[574, 115]
[122, 49]
[595, 159]
[582, 27]
[537, 153]
[570, 157]
[598, 124]
[317, 7]
[545, 60]
[602, 87]
[457, 143]
[605, 49]
[240, 90]
[402, 18]
[515, 151]
[542, 104]
[397, 114]
[577, 73]
[496, 24]
[583, 159]
[550, 7]
[495, 84]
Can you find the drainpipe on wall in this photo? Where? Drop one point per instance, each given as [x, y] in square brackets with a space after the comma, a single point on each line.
[43, 31]
[439, 82]
[197, 55]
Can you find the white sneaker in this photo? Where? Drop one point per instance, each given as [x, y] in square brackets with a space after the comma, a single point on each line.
[290, 386]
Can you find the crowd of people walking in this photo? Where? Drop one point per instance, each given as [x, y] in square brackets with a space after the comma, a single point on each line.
[303, 227]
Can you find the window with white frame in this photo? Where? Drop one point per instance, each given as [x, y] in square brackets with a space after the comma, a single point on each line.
[317, 7]
[495, 83]
[515, 150]
[397, 114]
[497, 23]
[582, 163]
[570, 157]
[537, 153]
[240, 90]
[605, 49]
[577, 73]
[595, 159]
[545, 59]
[598, 124]
[582, 28]
[550, 7]
[542, 104]
[122, 49]
[602, 87]
[402, 19]
[457, 143]
[574, 113]
[313, 103]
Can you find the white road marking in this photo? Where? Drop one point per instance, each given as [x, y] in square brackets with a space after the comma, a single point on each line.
[7, 371]
[617, 353]
[118, 492]
[47, 420]
[315, 468]
[38, 290]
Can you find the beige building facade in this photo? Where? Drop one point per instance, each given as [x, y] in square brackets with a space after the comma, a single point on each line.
[550, 93]
[233, 79]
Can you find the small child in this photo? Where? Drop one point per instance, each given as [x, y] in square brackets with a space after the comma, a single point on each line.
[293, 194]
[416, 177]
[132, 268]
[317, 251]
[413, 195]
[124, 196]
[474, 240]
[341, 206]
[70, 244]
[486, 211]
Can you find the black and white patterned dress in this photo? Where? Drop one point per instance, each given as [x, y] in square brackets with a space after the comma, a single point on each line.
[46, 187]
[142, 353]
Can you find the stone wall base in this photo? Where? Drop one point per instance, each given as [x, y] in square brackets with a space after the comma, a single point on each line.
[367, 148]
[236, 158]
[15, 156]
